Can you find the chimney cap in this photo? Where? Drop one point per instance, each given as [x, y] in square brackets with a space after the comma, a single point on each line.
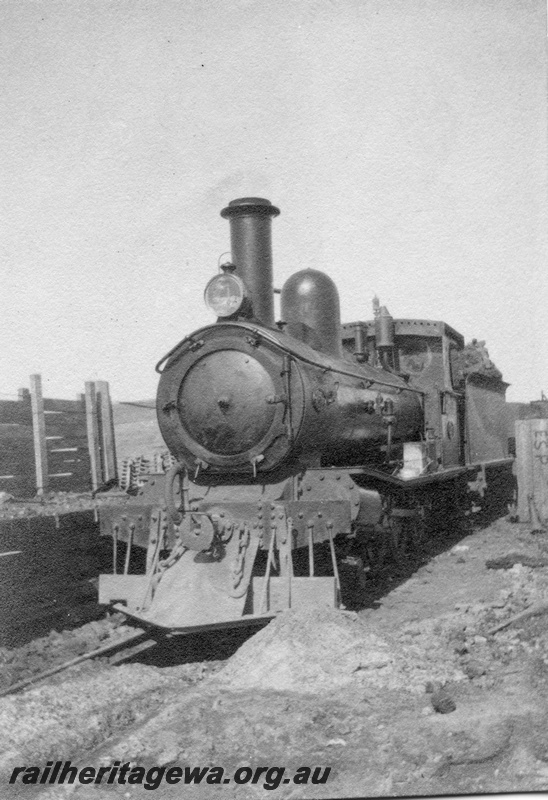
[245, 206]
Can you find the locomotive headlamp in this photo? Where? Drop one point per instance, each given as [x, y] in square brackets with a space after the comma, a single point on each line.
[224, 294]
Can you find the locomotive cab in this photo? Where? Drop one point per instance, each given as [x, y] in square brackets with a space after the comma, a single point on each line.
[426, 353]
[464, 394]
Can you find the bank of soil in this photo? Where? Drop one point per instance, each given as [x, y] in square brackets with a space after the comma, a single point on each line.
[417, 696]
[51, 554]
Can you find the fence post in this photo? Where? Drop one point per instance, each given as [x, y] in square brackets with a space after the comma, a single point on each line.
[39, 434]
[93, 435]
[106, 431]
[532, 469]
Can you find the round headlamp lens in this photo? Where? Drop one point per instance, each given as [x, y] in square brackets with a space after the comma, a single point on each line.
[224, 295]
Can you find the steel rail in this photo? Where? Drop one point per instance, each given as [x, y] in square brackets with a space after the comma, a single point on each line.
[99, 651]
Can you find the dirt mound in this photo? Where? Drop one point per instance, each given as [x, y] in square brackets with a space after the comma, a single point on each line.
[307, 651]
[304, 651]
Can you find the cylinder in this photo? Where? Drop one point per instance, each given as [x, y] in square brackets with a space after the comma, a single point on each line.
[251, 246]
[311, 310]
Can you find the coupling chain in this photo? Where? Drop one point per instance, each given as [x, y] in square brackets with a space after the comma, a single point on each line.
[239, 560]
[165, 563]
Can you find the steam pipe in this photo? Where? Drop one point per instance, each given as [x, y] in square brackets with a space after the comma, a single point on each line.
[250, 237]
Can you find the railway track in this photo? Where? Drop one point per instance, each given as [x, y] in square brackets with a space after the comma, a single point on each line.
[197, 644]
[137, 639]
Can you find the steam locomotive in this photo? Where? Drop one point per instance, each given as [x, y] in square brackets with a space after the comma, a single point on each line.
[296, 440]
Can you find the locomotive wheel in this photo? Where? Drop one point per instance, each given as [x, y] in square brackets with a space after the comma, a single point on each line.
[406, 528]
[376, 551]
[399, 539]
[399, 536]
[394, 533]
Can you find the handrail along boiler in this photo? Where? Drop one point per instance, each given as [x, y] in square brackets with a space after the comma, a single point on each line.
[297, 440]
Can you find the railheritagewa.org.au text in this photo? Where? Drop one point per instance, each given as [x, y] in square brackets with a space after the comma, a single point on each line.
[61, 772]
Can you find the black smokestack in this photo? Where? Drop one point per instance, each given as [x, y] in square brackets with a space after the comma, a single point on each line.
[251, 246]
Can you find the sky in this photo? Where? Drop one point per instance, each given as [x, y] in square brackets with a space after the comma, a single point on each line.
[403, 140]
